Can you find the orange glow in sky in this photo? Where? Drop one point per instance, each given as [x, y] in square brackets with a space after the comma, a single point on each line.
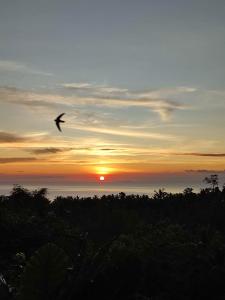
[103, 170]
[123, 121]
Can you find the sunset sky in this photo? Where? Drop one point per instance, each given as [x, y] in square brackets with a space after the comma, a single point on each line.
[142, 84]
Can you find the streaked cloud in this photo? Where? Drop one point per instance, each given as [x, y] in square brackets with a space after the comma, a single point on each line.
[109, 149]
[167, 92]
[202, 154]
[27, 98]
[127, 133]
[163, 107]
[8, 137]
[14, 66]
[100, 90]
[205, 171]
[97, 90]
[51, 150]
[8, 160]
[156, 100]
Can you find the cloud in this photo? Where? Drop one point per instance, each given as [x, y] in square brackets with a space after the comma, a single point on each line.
[104, 90]
[165, 108]
[49, 150]
[109, 149]
[14, 138]
[91, 121]
[154, 100]
[8, 160]
[8, 137]
[167, 92]
[77, 86]
[205, 171]
[97, 90]
[13, 66]
[127, 133]
[30, 99]
[110, 97]
[202, 154]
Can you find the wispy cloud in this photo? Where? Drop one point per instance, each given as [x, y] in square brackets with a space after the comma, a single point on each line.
[202, 154]
[89, 89]
[104, 90]
[167, 92]
[13, 66]
[205, 171]
[8, 160]
[29, 98]
[163, 107]
[8, 137]
[127, 133]
[51, 150]
[89, 121]
[14, 140]
[155, 100]
[109, 149]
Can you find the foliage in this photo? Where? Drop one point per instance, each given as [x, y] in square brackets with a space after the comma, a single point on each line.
[4, 289]
[212, 180]
[44, 274]
[170, 246]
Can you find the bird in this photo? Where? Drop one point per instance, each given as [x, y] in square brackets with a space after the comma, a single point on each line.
[58, 121]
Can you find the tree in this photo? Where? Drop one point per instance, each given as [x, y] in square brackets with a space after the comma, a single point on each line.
[213, 180]
[4, 289]
[160, 194]
[40, 200]
[44, 274]
[188, 191]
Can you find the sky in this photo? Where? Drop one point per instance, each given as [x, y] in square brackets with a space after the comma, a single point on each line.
[141, 84]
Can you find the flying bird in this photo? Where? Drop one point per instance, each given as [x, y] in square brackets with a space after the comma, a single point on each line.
[58, 121]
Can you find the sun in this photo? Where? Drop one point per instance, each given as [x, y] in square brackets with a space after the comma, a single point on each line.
[102, 173]
[102, 178]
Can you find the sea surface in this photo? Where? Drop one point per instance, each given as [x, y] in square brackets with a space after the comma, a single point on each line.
[98, 189]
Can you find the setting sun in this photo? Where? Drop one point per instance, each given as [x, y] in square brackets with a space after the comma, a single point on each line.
[101, 178]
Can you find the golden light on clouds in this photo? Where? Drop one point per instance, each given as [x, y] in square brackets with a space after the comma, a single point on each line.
[100, 170]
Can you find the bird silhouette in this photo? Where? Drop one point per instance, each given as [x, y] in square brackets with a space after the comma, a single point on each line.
[58, 121]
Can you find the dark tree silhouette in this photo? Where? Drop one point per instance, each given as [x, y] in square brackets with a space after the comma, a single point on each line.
[212, 180]
[115, 247]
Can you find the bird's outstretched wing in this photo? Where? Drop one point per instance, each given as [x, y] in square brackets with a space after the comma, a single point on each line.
[58, 126]
[59, 117]
[58, 121]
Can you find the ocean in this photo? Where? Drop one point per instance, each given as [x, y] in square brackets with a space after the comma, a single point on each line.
[98, 189]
